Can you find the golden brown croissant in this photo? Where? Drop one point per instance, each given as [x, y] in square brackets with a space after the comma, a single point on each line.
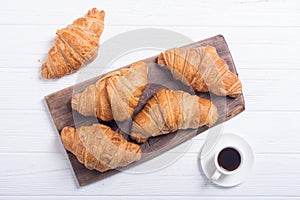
[168, 111]
[75, 46]
[98, 147]
[115, 95]
[202, 69]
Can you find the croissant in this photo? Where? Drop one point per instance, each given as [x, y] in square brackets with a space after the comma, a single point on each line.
[75, 46]
[202, 69]
[114, 96]
[98, 147]
[168, 111]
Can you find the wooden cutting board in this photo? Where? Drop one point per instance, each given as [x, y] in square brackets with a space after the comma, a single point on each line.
[62, 114]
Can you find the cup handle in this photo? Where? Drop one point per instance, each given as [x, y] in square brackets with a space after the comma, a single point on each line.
[216, 175]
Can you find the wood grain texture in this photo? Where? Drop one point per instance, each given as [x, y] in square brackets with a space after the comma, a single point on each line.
[62, 114]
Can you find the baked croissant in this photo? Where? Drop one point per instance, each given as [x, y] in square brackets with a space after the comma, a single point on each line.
[75, 46]
[202, 69]
[114, 96]
[100, 148]
[168, 111]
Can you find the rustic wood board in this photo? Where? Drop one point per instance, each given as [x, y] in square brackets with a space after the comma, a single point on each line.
[62, 114]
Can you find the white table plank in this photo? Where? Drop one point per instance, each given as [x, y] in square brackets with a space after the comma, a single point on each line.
[252, 48]
[131, 12]
[39, 174]
[166, 197]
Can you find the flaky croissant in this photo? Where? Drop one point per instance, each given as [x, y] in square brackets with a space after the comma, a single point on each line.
[75, 46]
[114, 96]
[168, 111]
[202, 69]
[100, 148]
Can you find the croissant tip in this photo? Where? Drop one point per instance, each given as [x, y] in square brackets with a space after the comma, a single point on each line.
[139, 154]
[137, 138]
[67, 135]
[74, 101]
[45, 72]
[161, 60]
[95, 13]
[235, 95]
[67, 129]
[213, 115]
[236, 89]
[102, 13]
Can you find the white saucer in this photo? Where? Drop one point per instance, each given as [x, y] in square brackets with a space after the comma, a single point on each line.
[207, 160]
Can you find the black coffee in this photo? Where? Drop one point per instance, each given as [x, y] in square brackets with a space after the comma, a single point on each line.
[229, 159]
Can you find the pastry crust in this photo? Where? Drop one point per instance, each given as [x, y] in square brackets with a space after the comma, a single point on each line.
[114, 96]
[202, 69]
[100, 148]
[168, 111]
[75, 46]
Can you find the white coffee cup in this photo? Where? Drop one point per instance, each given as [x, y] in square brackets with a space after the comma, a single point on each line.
[227, 161]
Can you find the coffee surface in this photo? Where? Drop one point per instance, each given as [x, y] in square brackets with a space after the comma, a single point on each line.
[229, 159]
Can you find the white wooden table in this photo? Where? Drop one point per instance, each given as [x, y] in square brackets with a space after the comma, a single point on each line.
[263, 37]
